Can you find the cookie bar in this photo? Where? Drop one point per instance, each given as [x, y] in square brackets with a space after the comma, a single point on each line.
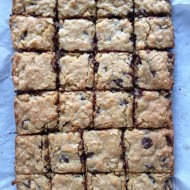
[76, 35]
[152, 7]
[101, 157]
[106, 181]
[114, 71]
[36, 113]
[30, 33]
[154, 32]
[36, 181]
[75, 111]
[153, 109]
[149, 181]
[149, 151]
[107, 8]
[154, 70]
[43, 8]
[76, 72]
[31, 154]
[113, 110]
[33, 71]
[68, 182]
[76, 8]
[65, 150]
[114, 35]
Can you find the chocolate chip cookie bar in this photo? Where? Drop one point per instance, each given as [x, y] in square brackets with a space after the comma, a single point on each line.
[149, 151]
[65, 150]
[35, 181]
[76, 35]
[31, 154]
[109, 8]
[76, 72]
[42, 8]
[36, 113]
[75, 111]
[154, 70]
[106, 181]
[33, 71]
[154, 33]
[113, 71]
[76, 8]
[114, 35]
[66, 182]
[101, 157]
[152, 7]
[30, 33]
[153, 109]
[113, 110]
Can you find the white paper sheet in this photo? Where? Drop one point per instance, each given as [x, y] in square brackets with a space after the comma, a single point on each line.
[181, 97]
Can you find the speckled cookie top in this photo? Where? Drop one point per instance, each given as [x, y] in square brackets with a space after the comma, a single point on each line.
[30, 33]
[152, 150]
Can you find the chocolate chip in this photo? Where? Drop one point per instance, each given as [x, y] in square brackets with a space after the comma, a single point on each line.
[83, 98]
[169, 140]
[167, 95]
[147, 142]
[24, 35]
[170, 55]
[105, 68]
[123, 103]
[149, 166]
[118, 82]
[89, 154]
[153, 73]
[63, 159]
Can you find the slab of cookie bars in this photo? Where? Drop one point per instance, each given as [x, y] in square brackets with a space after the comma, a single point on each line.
[36, 113]
[75, 110]
[76, 72]
[114, 71]
[106, 181]
[149, 181]
[68, 182]
[31, 154]
[152, 7]
[113, 110]
[30, 33]
[101, 157]
[153, 109]
[107, 8]
[154, 70]
[154, 33]
[76, 35]
[114, 35]
[76, 8]
[149, 151]
[33, 71]
[42, 8]
[65, 149]
[35, 181]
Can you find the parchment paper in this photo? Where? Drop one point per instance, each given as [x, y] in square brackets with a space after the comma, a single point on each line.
[181, 97]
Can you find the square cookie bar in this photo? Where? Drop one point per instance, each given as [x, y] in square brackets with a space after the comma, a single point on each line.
[76, 72]
[154, 70]
[75, 111]
[76, 8]
[30, 33]
[149, 151]
[106, 181]
[152, 7]
[36, 181]
[114, 71]
[107, 8]
[113, 110]
[36, 113]
[153, 109]
[33, 71]
[31, 154]
[154, 32]
[65, 150]
[149, 181]
[68, 182]
[101, 157]
[43, 8]
[76, 35]
[114, 35]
